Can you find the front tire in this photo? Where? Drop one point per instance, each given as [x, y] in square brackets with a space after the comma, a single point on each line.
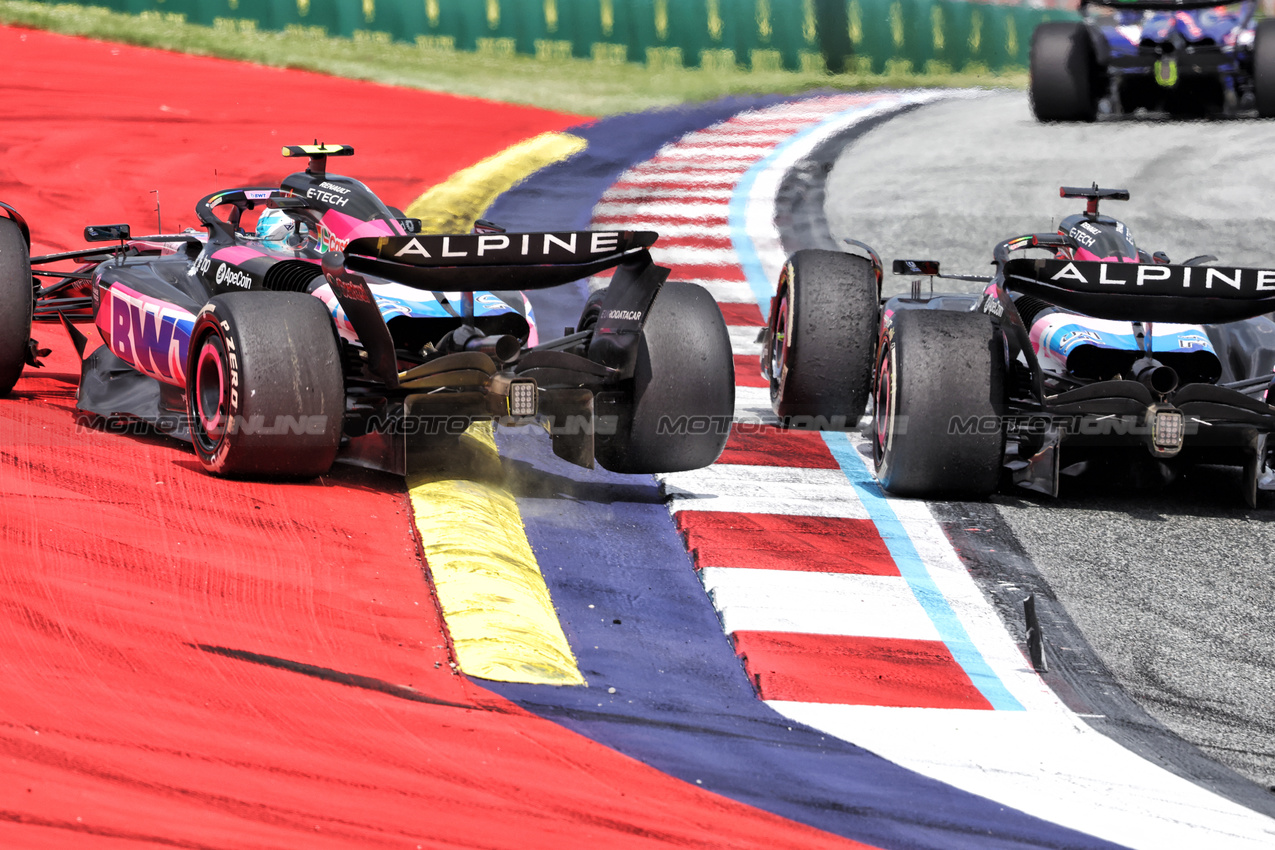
[1065, 79]
[676, 414]
[1264, 68]
[939, 397]
[822, 336]
[264, 387]
[16, 304]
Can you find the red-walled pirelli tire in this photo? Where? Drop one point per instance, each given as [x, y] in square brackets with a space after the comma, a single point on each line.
[1264, 68]
[15, 304]
[937, 429]
[1065, 80]
[823, 332]
[264, 387]
[677, 413]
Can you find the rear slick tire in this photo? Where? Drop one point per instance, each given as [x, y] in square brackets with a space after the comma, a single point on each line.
[1264, 68]
[264, 388]
[676, 414]
[937, 419]
[1064, 74]
[16, 302]
[822, 338]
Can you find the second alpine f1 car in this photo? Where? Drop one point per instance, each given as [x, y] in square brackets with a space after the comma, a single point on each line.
[1183, 57]
[1092, 352]
[332, 328]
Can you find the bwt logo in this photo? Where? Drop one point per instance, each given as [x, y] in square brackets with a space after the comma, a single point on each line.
[150, 336]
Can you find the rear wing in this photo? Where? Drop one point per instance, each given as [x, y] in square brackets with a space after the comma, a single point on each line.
[496, 261]
[484, 261]
[1146, 292]
[1157, 5]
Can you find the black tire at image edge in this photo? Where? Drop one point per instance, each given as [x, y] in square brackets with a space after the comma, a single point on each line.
[1264, 68]
[16, 296]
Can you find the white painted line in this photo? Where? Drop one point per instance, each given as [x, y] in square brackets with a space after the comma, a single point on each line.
[690, 176]
[743, 340]
[752, 404]
[663, 228]
[816, 603]
[645, 194]
[760, 136]
[720, 151]
[726, 291]
[763, 490]
[680, 210]
[1049, 765]
[678, 255]
[691, 166]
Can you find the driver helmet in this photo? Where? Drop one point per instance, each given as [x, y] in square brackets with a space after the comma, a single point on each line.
[275, 229]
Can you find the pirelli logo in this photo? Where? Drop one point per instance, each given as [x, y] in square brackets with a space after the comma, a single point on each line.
[1146, 278]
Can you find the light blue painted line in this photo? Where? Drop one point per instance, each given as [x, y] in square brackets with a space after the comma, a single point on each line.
[737, 218]
[914, 571]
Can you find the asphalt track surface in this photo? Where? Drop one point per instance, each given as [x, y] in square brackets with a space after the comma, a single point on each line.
[1172, 587]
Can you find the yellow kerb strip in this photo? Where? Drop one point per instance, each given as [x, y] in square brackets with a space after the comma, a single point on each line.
[497, 607]
[453, 206]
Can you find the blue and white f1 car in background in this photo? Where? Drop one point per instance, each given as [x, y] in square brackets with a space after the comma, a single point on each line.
[333, 329]
[1187, 58]
[1096, 354]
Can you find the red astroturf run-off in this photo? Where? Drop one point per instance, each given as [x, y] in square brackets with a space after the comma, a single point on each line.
[847, 670]
[91, 128]
[194, 662]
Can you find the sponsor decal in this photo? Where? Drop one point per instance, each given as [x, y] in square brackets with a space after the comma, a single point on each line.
[545, 247]
[330, 198]
[1082, 237]
[625, 315]
[332, 187]
[1193, 340]
[232, 357]
[1146, 278]
[348, 289]
[149, 335]
[1074, 338]
[328, 241]
[992, 306]
[258, 194]
[228, 275]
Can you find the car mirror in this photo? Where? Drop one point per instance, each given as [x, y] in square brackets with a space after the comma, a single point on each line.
[106, 233]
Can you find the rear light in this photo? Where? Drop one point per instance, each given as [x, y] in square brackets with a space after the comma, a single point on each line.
[1167, 430]
[522, 398]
